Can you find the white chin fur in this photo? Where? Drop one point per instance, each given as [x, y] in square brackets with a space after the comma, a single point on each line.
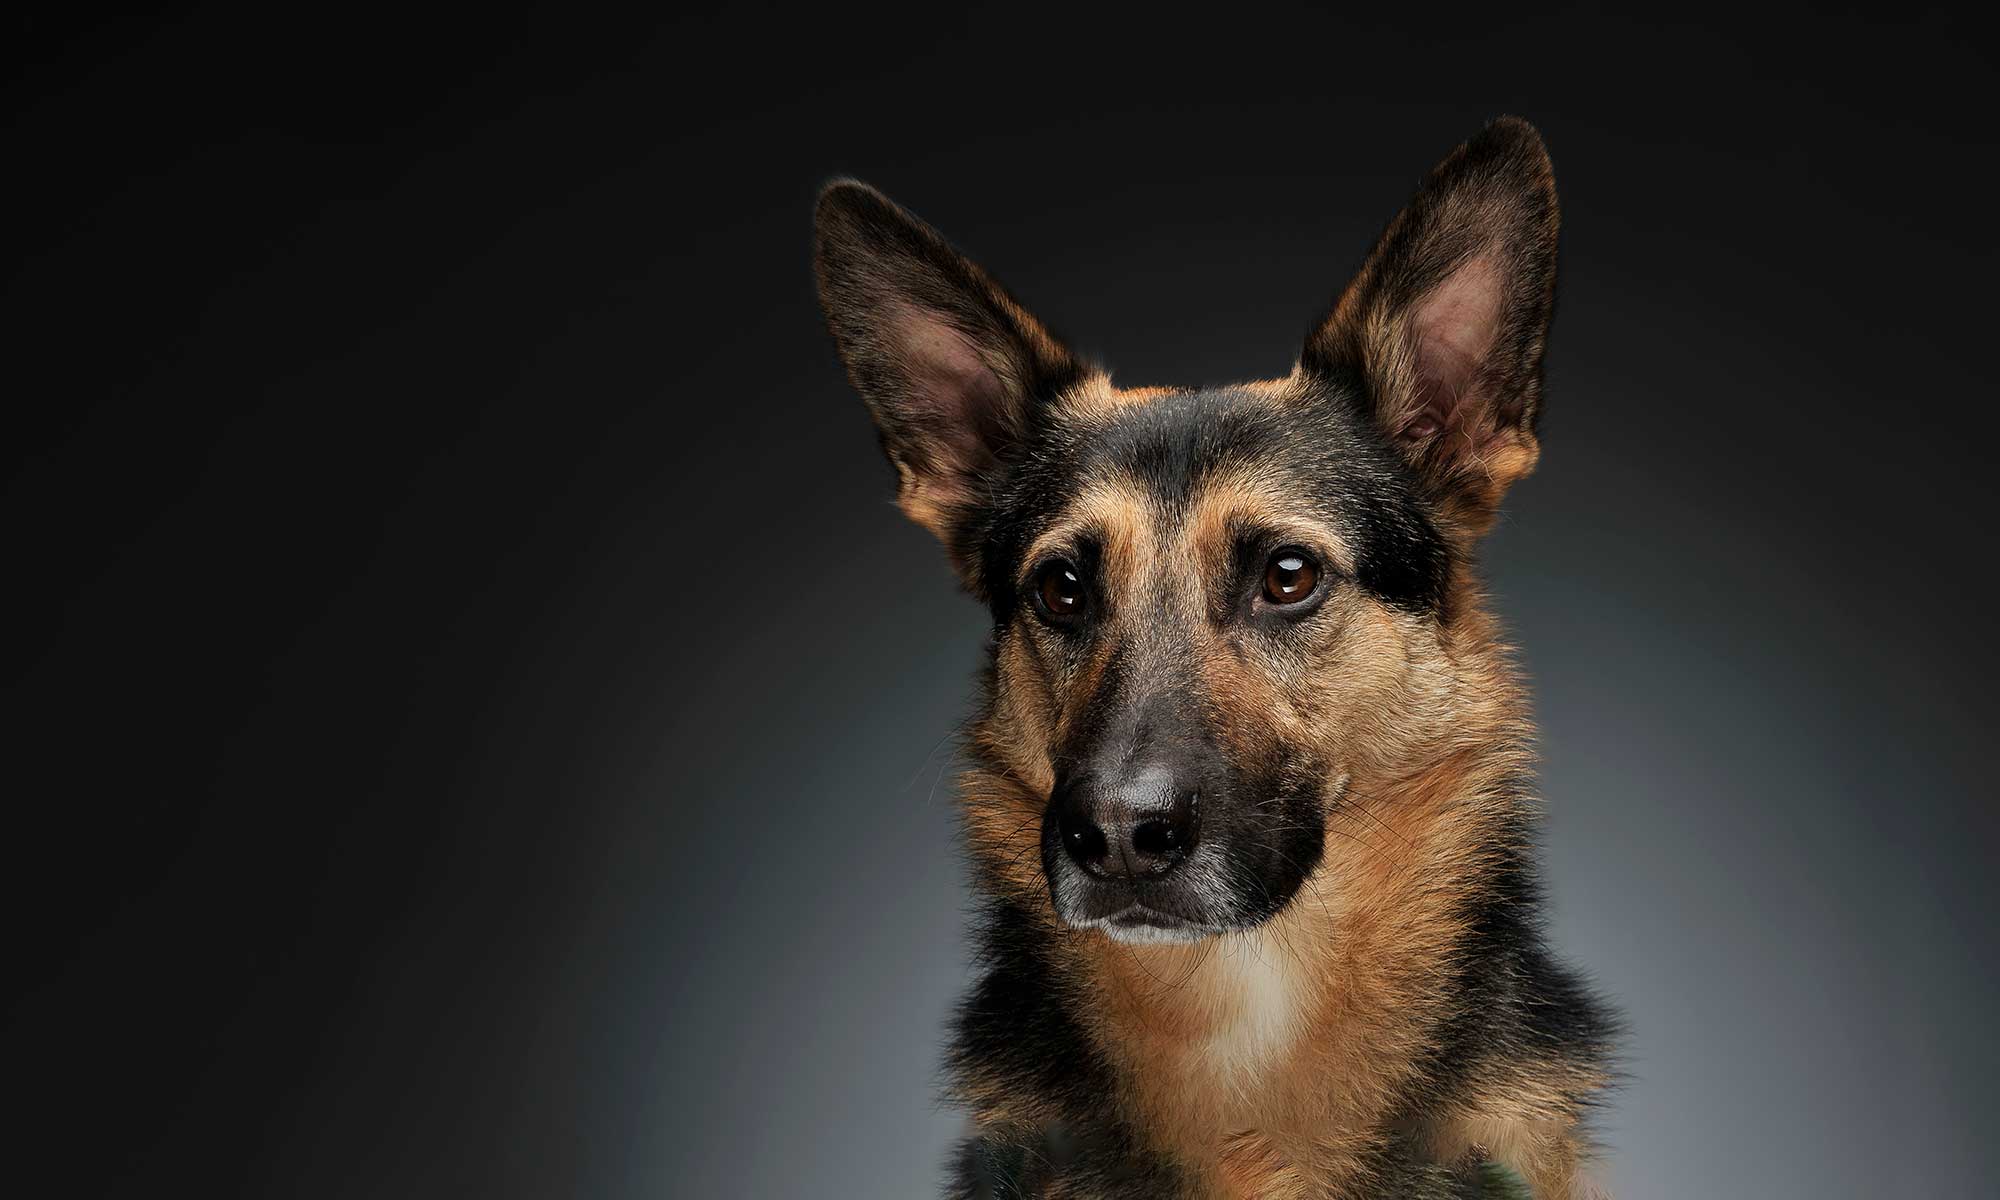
[1147, 935]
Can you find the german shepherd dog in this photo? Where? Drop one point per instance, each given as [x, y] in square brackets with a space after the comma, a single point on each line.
[1250, 795]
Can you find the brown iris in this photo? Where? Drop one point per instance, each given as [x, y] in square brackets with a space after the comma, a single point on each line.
[1289, 578]
[1061, 590]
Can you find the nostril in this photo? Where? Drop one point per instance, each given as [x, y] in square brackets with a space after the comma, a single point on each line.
[1160, 839]
[1084, 842]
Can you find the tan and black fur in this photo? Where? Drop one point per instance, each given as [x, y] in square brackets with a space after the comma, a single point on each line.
[1261, 908]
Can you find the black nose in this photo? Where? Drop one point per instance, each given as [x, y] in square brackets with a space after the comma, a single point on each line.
[1135, 826]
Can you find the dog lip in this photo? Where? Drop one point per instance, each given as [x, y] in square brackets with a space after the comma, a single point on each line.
[1139, 915]
[1141, 923]
[1143, 916]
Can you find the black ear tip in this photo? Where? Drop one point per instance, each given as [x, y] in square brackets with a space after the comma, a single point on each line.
[1511, 137]
[844, 189]
[1514, 128]
[850, 200]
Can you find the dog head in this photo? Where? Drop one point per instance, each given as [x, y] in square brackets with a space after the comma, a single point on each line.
[1211, 608]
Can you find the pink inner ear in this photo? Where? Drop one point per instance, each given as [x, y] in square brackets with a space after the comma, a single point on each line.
[955, 402]
[1454, 327]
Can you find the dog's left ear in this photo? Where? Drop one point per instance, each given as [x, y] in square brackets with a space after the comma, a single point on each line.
[950, 365]
[1444, 326]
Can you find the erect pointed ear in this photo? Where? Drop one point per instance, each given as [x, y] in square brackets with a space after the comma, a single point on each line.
[1444, 326]
[949, 364]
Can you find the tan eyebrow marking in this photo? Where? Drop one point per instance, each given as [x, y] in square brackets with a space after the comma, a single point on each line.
[1117, 515]
[1227, 501]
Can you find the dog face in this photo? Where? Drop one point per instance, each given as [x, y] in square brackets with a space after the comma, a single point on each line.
[1212, 608]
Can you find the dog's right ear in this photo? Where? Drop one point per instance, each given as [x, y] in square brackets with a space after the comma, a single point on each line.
[1446, 323]
[949, 364]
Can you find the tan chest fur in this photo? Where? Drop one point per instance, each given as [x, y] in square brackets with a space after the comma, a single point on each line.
[1243, 1062]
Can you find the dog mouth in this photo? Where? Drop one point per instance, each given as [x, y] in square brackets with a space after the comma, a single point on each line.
[1137, 922]
[1141, 924]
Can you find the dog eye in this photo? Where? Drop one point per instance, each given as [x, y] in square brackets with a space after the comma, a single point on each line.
[1061, 590]
[1289, 578]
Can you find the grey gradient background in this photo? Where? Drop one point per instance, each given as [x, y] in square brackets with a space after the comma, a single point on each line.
[479, 727]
